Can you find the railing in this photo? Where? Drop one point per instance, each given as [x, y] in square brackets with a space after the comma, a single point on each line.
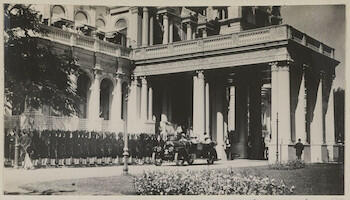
[240, 39]
[310, 42]
[43, 122]
[86, 42]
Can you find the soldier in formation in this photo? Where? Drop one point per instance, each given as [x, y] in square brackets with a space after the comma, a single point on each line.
[57, 148]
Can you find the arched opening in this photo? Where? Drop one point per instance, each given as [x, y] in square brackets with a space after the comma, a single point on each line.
[100, 24]
[81, 18]
[106, 88]
[119, 37]
[58, 12]
[83, 85]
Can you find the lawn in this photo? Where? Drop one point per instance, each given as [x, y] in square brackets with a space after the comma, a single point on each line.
[316, 179]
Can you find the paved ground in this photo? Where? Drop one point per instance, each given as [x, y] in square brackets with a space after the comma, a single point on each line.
[14, 178]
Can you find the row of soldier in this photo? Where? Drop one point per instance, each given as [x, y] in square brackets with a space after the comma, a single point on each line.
[79, 148]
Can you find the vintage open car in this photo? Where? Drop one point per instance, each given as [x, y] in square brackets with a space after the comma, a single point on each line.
[181, 151]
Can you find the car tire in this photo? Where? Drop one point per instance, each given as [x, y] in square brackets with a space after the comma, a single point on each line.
[158, 162]
[190, 159]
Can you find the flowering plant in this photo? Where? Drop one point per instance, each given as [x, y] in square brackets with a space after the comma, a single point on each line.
[208, 182]
[290, 165]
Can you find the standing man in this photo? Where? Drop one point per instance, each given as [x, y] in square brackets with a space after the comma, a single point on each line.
[299, 147]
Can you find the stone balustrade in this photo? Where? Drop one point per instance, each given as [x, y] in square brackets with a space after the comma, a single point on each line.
[240, 39]
[86, 42]
[43, 122]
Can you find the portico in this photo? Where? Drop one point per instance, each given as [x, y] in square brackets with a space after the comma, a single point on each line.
[214, 84]
[227, 91]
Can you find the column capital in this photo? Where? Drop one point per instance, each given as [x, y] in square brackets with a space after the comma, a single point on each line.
[143, 79]
[134, 9]
[119, 75]
[200, 74]
[145, 9]
[279, 66]
[322, 74]
[305, 67]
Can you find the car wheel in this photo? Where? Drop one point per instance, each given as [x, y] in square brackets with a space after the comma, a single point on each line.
[158, 162]
[211, 158]
[190, 159]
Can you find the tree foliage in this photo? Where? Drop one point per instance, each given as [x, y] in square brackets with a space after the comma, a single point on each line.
[35, 73]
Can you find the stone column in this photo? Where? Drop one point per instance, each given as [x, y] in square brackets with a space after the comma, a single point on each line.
[316, 126]
[145, 23]
[94, 103]
[204, 33]
[207, 108]
[255, 129]
[220, 122]
[232, 109]
[300, 113]
[164, 114]
[143, 99]
[170, 105]
[199, 104]
[132, 107]
[134, 29]
[280, 109]
[171, 30]
[330, 131]
[240, 146]
[116, 107]
[150, 104]
[151, 24]
[189, 32]
[166, 29]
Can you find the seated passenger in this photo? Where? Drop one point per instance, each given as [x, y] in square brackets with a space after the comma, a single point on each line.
[206, 138]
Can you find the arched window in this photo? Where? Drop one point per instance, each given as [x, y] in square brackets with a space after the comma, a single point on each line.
[106, 88]
[100, 23]
[58, 12]
[122, 29]
[83, 85]
[81, 18]
[121, 24]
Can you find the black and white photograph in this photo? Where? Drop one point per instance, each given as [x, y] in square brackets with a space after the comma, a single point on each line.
[138, 100]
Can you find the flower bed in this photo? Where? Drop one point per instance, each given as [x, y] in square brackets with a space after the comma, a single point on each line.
[290, 165]
[208, 182]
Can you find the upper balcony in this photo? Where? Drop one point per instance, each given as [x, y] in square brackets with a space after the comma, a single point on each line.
[86, 42]
[240, 39]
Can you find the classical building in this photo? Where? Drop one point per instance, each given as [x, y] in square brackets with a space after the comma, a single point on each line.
[233, 72]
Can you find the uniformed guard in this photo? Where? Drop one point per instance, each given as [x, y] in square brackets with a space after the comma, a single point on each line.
[45, 142]
[132, 148]
[60, 148]
[99, 148]
[69, 148]
[92, 147]
[76, 148]
[53, 146]
[114, 148]
[35, 148]
[120, 147]
[86, 147]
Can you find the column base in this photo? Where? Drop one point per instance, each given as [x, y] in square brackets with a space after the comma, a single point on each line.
[330, 152]
[283, 153]
[239, 150]
[318, 153]
[221, 152]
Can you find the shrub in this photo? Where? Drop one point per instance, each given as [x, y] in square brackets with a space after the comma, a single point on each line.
[209, 182]
[290, 165]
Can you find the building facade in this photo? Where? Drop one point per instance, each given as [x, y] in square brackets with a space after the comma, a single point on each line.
[236, 73]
